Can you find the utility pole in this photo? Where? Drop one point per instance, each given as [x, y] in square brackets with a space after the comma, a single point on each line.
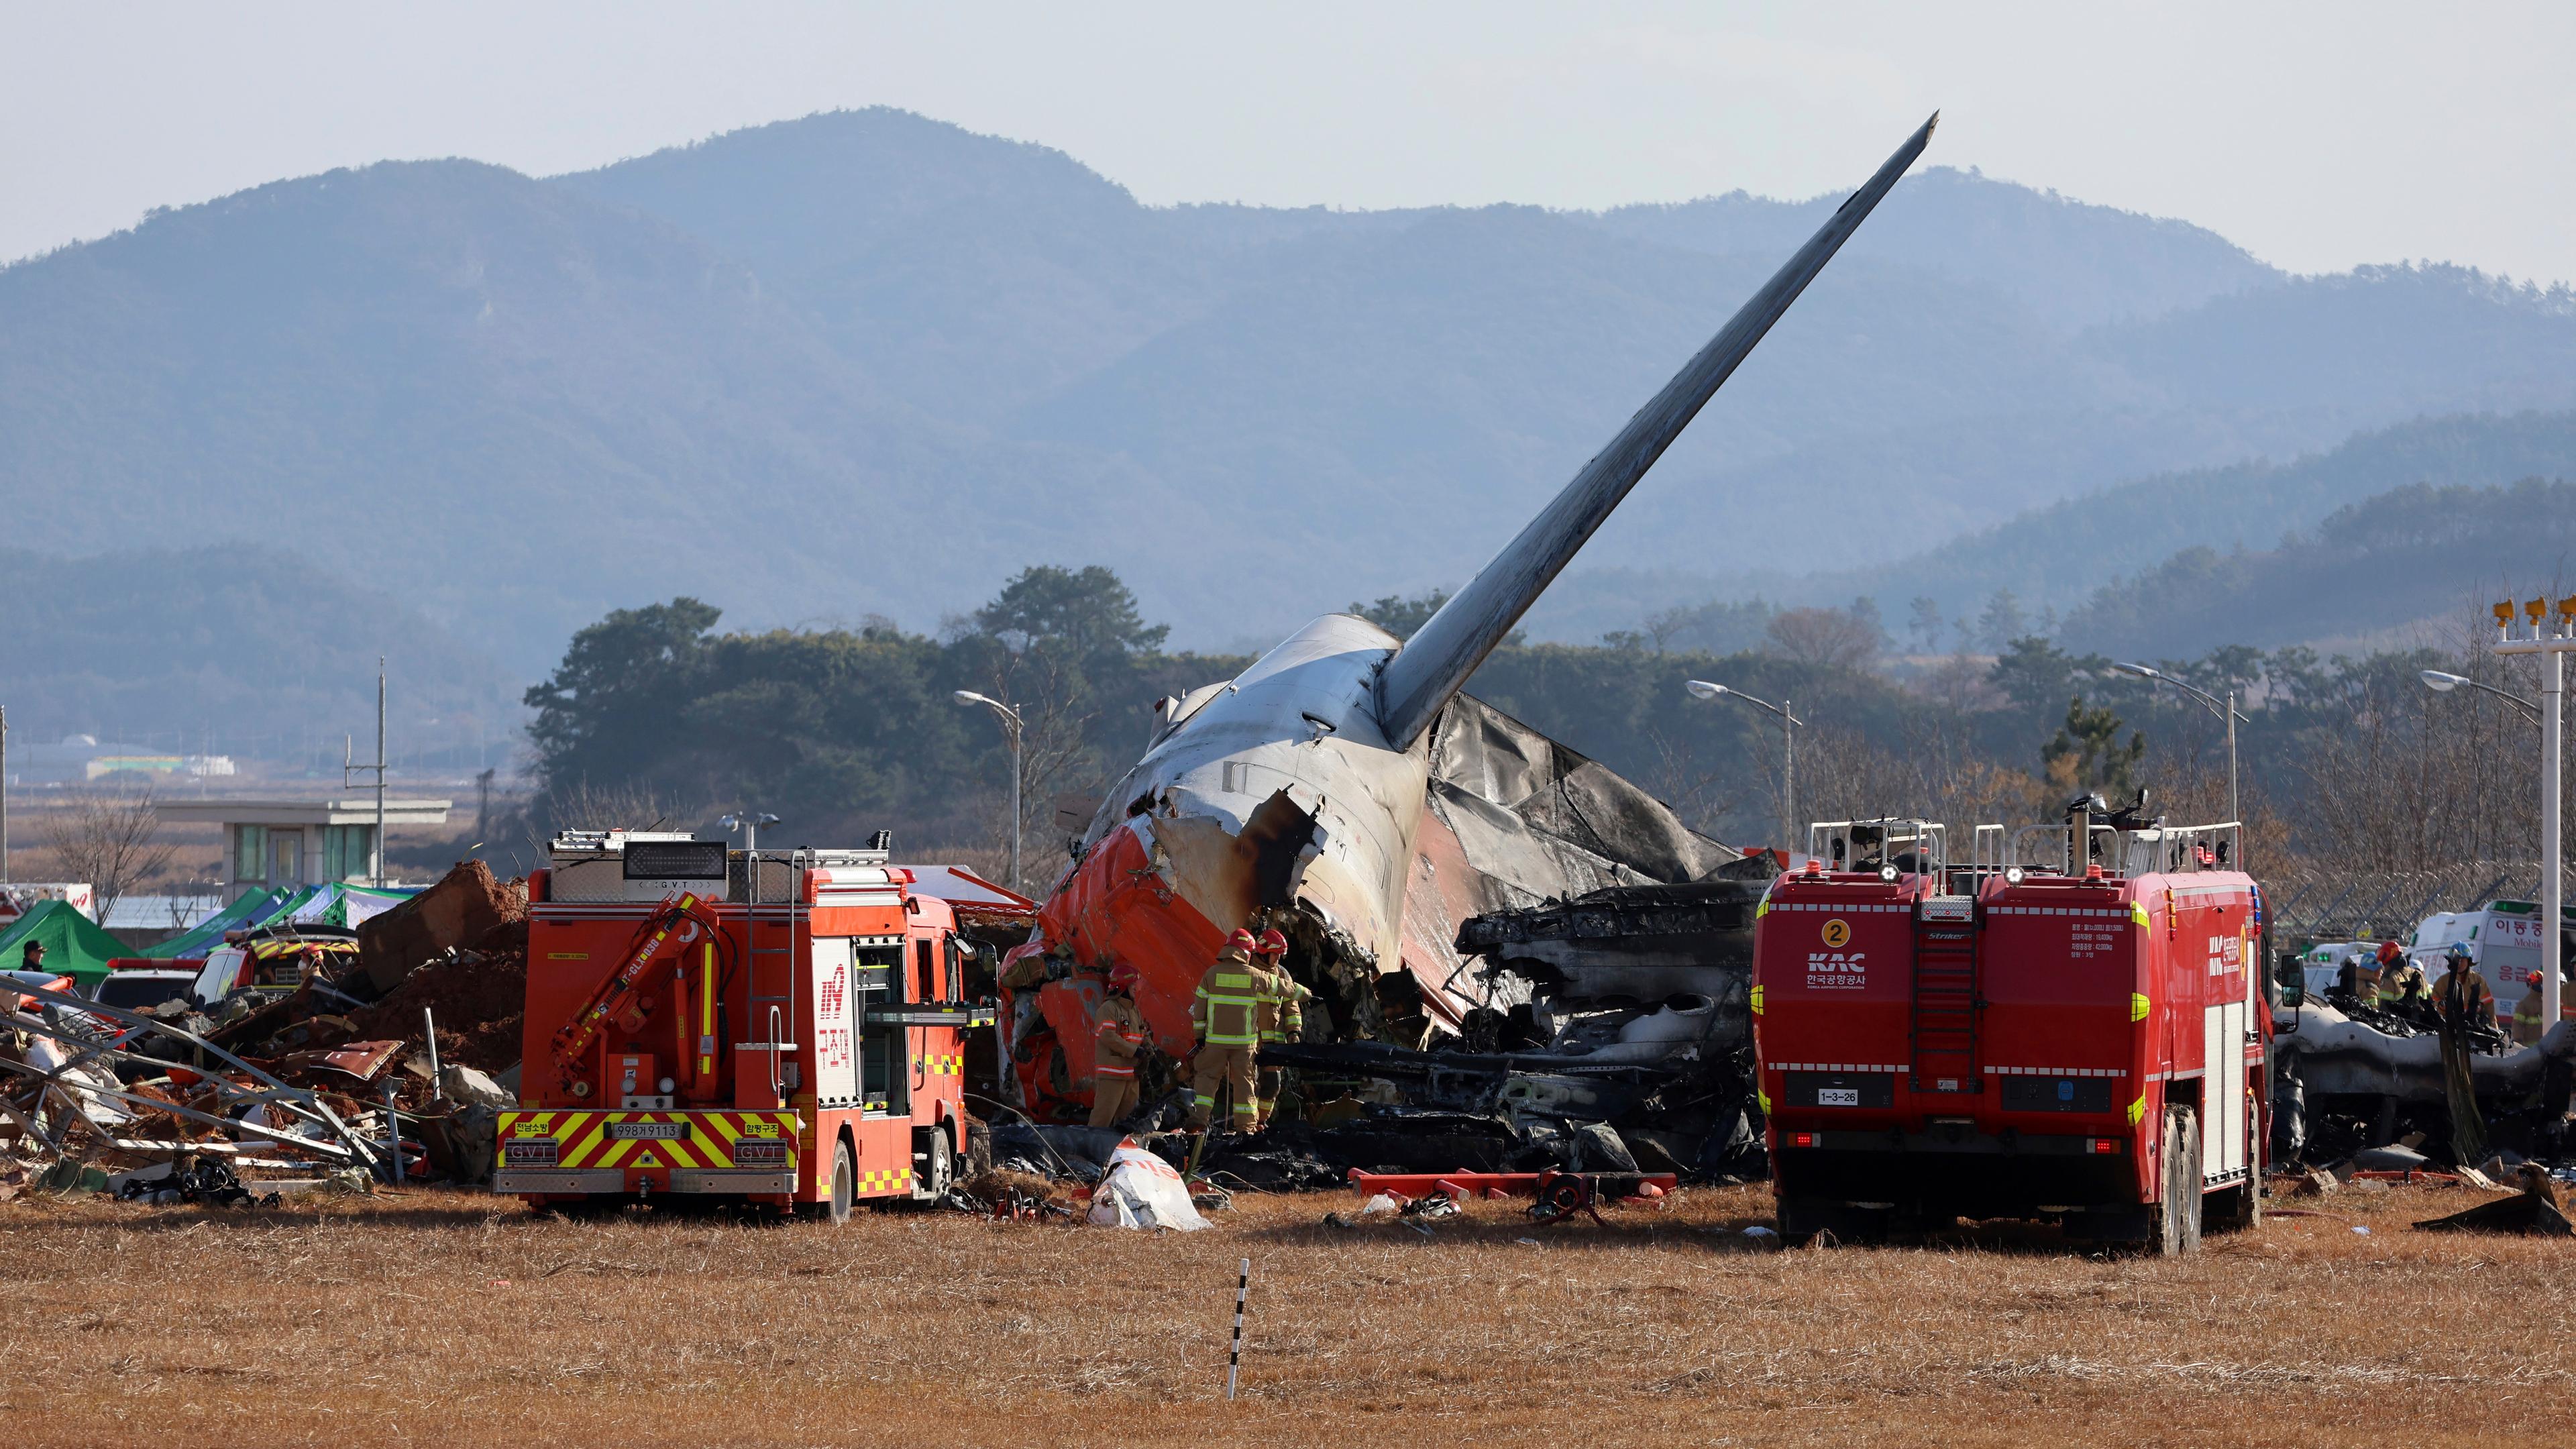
[2554, 645]
[4, 794]
[348, 767]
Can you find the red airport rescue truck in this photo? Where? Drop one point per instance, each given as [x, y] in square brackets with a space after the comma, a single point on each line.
[773, 1028]
[2075, 1033]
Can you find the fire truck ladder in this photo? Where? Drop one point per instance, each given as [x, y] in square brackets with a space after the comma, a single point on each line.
[772, 981]
[1944, 1031]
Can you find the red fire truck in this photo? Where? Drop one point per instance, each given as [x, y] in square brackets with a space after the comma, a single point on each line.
[2071, 1028]
[774, 1028]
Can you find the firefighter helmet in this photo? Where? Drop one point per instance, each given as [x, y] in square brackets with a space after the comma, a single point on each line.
[1272, 943]
[1121, 976]
[1241, 941]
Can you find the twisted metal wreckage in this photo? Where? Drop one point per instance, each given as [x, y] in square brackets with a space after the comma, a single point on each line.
[1444, 873]
[2348, 1081]
[76, 1046]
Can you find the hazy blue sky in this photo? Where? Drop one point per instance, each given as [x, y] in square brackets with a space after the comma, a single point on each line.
[2317, 135]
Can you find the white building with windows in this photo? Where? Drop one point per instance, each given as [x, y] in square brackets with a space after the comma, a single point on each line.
[300, 842]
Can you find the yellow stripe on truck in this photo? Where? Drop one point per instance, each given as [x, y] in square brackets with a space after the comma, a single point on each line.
[583, 1138]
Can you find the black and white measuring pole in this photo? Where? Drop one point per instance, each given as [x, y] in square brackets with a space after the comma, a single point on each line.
[1234, 1355]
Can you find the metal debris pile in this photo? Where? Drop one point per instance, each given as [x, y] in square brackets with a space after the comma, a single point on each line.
[332, 1062]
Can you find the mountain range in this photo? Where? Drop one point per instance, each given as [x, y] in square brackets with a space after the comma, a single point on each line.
[866, 362]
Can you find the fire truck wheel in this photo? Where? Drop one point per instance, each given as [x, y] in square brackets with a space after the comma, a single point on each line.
[1798, 1221]
[2176, 1222]
[845, 1182]
[938, 1169]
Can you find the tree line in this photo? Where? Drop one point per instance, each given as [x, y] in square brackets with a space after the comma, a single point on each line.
[656, 715]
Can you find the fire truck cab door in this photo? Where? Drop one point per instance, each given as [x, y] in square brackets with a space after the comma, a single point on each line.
[885, 1076]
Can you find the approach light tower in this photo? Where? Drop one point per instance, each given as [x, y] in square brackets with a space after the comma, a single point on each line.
[2553, 642]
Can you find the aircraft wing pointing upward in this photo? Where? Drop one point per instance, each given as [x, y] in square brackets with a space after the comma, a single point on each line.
[1436, 661]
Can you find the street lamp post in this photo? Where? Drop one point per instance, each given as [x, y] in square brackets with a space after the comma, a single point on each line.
[2441, 682]
[2224, 710]
[1010, 726]
[2554, 645]
[1789, 723]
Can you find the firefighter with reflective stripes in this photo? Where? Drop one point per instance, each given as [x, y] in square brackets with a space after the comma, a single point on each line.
[1227, 1013]
[1116, 1042]
[1282, 1016]
[2463, 997]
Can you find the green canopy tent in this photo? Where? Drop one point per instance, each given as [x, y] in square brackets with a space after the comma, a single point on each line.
[355, 905]
[330, 904]
[197, 940]
[75, 945]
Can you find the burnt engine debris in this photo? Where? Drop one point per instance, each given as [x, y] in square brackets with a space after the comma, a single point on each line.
[1626, 1043]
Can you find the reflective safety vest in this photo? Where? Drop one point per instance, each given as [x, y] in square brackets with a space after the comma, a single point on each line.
[1227, 1008]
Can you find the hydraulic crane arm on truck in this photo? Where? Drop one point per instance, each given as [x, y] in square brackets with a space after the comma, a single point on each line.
[621, 998]
[843, 971]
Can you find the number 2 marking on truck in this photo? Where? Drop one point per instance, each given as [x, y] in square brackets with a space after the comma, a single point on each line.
[1837, 932]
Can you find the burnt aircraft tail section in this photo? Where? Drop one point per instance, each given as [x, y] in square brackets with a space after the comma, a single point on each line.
[1434, 664]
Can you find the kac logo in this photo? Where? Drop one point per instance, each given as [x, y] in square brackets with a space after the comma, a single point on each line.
[1836, 971]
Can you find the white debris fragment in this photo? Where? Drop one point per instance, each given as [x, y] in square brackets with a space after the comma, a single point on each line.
[1142, 1191]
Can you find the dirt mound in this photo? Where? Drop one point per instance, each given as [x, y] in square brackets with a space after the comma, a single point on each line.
[478, 999]
[465, 906]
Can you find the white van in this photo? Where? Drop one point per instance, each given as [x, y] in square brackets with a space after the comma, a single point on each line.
[2321, 965]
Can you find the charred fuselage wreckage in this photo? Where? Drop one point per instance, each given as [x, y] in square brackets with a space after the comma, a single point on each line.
[2354, 1077]
[1625, 1007]
[1343, 790]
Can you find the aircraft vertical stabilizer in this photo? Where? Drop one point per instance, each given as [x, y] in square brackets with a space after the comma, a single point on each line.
[1436, 661]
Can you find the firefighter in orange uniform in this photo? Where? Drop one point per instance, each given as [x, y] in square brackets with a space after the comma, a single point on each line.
[1116, 1043]
[1227, 1013]
[2462, 995]
[1282, 1015]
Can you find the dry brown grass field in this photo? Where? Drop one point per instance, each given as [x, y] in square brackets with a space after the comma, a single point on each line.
[450, 1318]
